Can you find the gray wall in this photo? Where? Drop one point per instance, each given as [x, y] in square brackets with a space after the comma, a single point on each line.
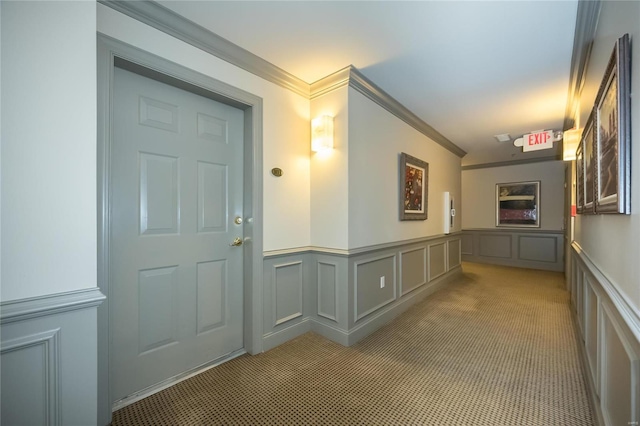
[48, 358]
[607, 325]
[483, 242]
[523, 248]
[479, 193]
[611, 241]
[347, 295]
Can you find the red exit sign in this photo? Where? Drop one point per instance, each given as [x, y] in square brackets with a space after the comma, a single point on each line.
[537, 141]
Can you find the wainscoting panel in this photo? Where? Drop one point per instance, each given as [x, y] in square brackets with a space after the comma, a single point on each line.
[591, 303]
[287, 292]
[413, 269]
[48, 359]
[454, 256]
[467, 244]
[524, 248]
[437, 260]
[620, 374]
[328, 290]
[580, 303]
[611, 330]
[495, 245]
[33, 362]
[374, 284]
[347, 295]
[537, 248]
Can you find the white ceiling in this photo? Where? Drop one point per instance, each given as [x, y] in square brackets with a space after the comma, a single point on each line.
[471, 69]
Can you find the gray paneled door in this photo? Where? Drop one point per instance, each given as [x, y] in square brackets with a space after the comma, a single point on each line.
[176, 189]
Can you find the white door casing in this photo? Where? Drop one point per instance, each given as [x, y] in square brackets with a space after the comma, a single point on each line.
[176, 188]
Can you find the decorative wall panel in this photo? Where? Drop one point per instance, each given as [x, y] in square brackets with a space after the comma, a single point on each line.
[374, 284]
[413, 269]
[522, 248]
[327, 290]
[287, 292]
[437, 260]
[611, 342]
[454, 255]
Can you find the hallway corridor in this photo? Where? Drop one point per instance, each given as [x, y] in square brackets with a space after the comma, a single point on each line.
[495, 347]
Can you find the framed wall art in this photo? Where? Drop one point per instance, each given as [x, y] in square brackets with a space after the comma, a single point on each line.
[612, 133]
[518, 204]
[579, 179]
[589, 173]
[414, 188]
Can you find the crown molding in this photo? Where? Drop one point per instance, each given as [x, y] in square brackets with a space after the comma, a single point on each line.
[586, 25]
[353, 78]
[169, 22]
[511, 163]
[365, 86]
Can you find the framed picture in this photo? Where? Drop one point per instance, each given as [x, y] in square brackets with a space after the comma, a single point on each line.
[613, 133]
[589, 174]
[414, 188]
[518, 204]
[579, 179]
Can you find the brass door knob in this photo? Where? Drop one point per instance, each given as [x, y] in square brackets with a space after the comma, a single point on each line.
[237, 242]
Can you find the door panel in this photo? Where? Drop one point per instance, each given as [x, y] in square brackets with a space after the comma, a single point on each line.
[176, 186]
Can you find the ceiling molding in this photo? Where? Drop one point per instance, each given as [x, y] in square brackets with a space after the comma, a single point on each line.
[169, 22]
[331, 82]
[586, 25]
[511, 163]
[365, 86]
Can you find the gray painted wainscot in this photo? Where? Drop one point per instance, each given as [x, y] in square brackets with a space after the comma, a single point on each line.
[48, 356]
[346, 295]
[609, 328]
[524, 248]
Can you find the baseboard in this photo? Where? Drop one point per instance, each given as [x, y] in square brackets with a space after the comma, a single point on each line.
[332, 333]
[271, 340]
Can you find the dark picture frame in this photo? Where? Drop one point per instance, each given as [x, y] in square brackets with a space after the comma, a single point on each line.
[414, 188]
[518, 204]
[612, 191]
[579, 179]
[589, 165]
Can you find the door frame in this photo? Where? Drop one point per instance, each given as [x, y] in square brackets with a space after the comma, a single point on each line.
[112, 53]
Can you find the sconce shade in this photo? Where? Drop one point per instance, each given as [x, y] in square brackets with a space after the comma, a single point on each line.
[322, 133]
[570, 141]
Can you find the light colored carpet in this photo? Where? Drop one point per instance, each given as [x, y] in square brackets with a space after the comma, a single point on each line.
[496, 347]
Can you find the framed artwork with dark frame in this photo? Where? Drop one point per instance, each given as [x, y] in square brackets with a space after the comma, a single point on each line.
[414, 188]
[589, 173]
[612, 191]
[579, 179]
[518, 204]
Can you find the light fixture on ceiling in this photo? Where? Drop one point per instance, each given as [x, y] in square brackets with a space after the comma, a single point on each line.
[570, 141]
[505, 137]
[322, 133]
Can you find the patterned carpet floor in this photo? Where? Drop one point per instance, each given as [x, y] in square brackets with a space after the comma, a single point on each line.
[495, 347]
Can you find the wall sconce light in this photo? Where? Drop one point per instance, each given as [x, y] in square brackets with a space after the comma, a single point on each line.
[570, 141]
[322, 133]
